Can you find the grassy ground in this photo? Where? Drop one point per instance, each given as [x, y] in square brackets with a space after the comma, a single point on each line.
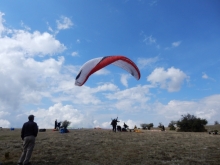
[103, 147]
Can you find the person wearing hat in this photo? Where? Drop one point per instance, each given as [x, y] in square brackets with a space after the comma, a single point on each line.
[28, 134]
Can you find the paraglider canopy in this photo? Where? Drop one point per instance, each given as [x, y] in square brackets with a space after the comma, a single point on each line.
[96, 64]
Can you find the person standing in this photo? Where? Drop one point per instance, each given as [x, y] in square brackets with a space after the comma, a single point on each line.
[114, 124]
[28, 134]
[55, 125]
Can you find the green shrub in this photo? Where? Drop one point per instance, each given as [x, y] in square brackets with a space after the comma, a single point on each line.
[65, 124]
[190, 123]
[172, 125]
[147, 126]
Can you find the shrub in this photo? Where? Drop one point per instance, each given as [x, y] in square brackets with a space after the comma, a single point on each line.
[172, 125]
[161, 126]
[147, 126]
[216, 123]
[190, 123]
[143, 126]
[65, 124]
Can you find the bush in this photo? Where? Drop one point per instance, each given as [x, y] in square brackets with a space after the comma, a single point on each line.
[190, 123]
[161, 126]
[143, 126]
[216, 123]
[65, 124]
[147, 126]
[172, 128]
[172, 125]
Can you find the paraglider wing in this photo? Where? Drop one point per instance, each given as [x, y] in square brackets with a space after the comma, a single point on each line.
[96, 64]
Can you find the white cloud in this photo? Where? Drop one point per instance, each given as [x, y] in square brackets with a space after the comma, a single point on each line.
[85, 95]
[4, 123]
[75, 54]
[46, 117]
[206, 108]
[149, 40]
[173, 45]
[124, 79]
[3, 114]
[143, 62]
[78, 41]
[2, 28]
[205, 76]
[49, 27]
[24, 80]
[176, 44]
[172, 79]
[64, 23]
[30, 44]
[132, 99]
[25, 26]
[106, 87]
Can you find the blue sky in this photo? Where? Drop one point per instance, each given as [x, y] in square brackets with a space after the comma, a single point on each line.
[43, 44]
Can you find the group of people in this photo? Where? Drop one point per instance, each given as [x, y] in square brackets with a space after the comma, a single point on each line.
[114, 125]
[57, 125]
[29, 132]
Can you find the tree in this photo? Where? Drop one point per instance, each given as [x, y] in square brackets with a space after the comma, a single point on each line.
[65, 124]
[144, 126]
[216, 123]
[172, 125]
[147, 126]
[190, 123]
[161, 126]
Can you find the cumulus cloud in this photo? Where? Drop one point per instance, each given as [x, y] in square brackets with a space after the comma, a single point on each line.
[128, 99]
[64, 23]
[124, 79]
[24, 80]
[4, 123]
[24, 43]
[46, 117]
[172, 79]
[206, 108]
[81, 95]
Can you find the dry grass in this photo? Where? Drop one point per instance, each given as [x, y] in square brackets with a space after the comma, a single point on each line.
[103, 147]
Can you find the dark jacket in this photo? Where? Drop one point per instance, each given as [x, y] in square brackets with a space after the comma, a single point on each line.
[29, 128]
